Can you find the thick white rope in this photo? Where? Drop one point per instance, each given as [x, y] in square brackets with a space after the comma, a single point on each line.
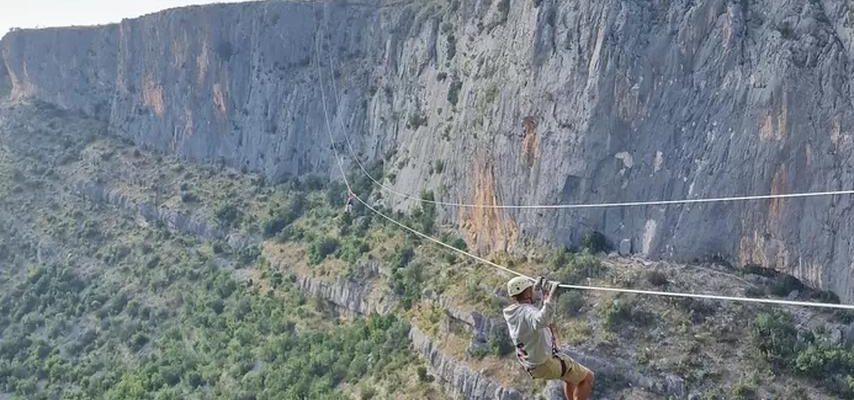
[565, 286]
[710, 297]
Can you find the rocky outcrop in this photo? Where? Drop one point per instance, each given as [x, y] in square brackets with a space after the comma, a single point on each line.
[480, 326]
[172, 220]
[456, 377]
[349, 295]
[463, 383]
[459, 381]
[614, 373]
[525, 102]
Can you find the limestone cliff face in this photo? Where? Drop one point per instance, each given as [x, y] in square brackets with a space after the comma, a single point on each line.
[73, 68]
[521, 102]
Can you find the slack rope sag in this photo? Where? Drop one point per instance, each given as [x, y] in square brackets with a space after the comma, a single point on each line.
[570, 286]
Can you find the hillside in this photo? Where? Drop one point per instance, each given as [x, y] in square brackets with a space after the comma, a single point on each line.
[171, 213]
[129, 274]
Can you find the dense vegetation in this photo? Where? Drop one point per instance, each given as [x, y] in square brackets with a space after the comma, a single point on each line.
[810, 354]
[173, 324]
[95, 304]
[223, 341]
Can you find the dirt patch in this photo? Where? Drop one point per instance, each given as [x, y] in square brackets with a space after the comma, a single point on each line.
[488, 229]
[202, 62]
[152, 96]
[778, 186]
[628, 102]
[838, 136]
[773, 126]
[530, 142]
[219, 96]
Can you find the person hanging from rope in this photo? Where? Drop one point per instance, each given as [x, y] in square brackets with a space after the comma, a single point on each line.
[532, 332]
[349, 207]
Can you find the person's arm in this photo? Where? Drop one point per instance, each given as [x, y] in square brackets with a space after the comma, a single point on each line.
[542, 318]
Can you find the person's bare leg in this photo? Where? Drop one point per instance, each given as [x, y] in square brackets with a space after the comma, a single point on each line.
[584, 388]
[569, 390]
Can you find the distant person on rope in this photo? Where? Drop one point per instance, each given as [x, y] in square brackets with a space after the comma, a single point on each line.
[349, 207]
[532, 332]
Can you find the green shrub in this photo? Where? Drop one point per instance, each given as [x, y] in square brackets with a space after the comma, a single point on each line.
[784, 284]
[578, 267]
[138, 341]
[406, 278]
[313, 183]
[821, 360]
[595, 242]
[698, 310]
[322, 248]
[416, 120]
[824, 296]
[479, 351]
[622, 312]
[362, 185]
[570, 303]
[368, 393]
[755, 292]
[499, 342]
[657, 278]
[617, 312]
[425, 215]
[423, 376]
[249, 254]
[844, 316]
[336, 194]
[291, 233]
[353, 250]
[188, 197]
[744, 391]
[473, 292]
[402, 256]
[284, 215]
[228, 215]
[454, 241]
[775, 337]
[560, 259]
[757, 269]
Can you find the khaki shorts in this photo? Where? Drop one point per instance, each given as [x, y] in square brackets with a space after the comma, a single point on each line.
[552, 369]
